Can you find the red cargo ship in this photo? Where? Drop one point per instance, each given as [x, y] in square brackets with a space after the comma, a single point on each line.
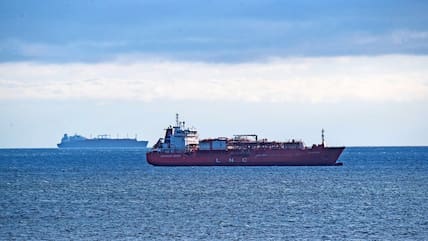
[181, 147]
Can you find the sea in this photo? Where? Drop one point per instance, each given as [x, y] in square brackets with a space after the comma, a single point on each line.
[380, 193]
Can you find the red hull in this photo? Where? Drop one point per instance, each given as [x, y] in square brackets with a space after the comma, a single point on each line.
[317, 156]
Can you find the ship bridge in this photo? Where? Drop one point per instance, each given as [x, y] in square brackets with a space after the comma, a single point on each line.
[178, 138]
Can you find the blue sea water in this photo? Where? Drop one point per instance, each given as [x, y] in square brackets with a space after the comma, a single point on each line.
[381, 193]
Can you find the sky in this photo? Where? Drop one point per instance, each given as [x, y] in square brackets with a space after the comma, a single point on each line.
[280, 69]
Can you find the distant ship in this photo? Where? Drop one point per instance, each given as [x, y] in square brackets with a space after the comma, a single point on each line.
[101, 141]
[181, 147]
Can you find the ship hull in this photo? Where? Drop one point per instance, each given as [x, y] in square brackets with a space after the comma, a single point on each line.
[322, 156]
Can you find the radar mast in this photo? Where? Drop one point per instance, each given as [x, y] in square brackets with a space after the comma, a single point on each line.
[322, 137]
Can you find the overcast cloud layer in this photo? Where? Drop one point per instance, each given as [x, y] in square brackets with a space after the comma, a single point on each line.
[214, 31]
[329, 79]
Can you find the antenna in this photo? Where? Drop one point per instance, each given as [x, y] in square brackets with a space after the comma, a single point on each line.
[177, 120]
[322, 137]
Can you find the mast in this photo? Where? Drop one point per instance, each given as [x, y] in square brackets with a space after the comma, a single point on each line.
[177, 121]
[322, 137]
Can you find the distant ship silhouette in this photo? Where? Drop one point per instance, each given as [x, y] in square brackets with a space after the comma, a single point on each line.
[101, 141]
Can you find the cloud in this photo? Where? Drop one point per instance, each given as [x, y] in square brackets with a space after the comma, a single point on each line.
[399, 38]
[290, 80]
